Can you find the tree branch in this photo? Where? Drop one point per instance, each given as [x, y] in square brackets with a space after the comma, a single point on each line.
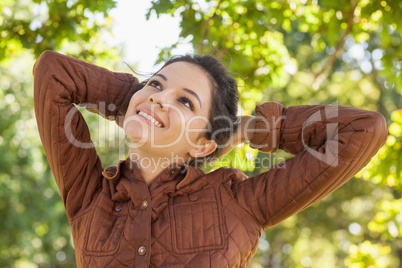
[320, 76]
[204, 36]
[199, 23]
[378, 81]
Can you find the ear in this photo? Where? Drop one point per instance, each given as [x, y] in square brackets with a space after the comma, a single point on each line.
[204, 148]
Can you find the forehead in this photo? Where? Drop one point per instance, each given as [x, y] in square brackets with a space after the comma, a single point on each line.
[183, 69]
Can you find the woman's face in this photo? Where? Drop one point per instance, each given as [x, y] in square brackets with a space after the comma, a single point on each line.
[170, 114]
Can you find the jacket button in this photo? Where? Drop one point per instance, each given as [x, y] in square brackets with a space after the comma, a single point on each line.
[193, 197]
[118, 208]
[144, 204]
[172, 172]
[142, 250]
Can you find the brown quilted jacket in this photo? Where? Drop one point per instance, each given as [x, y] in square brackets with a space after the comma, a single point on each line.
[186, 218]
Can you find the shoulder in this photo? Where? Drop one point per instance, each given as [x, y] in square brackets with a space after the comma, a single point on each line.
[227, 175]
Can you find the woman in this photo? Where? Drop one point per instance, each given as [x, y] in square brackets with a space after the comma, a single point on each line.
[142, 213]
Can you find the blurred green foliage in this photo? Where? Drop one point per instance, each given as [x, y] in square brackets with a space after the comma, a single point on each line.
[311, 52]
[34, 228]
[291, 51]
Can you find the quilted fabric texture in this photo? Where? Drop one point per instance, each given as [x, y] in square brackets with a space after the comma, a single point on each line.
[186, 218]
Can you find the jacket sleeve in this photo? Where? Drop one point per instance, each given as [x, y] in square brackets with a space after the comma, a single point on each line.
[330, 143]
[60, 82]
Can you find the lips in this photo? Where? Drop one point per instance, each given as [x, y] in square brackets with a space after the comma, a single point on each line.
[151, 117]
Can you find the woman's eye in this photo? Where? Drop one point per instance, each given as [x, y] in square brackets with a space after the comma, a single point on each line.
[186, 102]
[155, 84]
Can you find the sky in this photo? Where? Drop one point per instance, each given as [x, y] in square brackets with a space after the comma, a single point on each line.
[143, 39]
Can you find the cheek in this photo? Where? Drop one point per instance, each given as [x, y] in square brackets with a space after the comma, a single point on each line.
[131, 104]
[197, 127]
[139, 97]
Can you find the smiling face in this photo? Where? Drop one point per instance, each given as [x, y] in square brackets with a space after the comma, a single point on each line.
[170, 114]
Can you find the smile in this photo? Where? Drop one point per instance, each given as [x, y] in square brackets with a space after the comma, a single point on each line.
[150, 118]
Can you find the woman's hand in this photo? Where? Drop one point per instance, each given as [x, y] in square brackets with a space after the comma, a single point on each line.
[244, 133]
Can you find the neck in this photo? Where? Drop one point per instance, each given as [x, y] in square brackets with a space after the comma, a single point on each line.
[150, 164]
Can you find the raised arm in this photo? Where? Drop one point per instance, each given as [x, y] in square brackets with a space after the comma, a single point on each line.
[330, 143]
[60, 82]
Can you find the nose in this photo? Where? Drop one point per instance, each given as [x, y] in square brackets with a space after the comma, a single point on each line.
[158, 99]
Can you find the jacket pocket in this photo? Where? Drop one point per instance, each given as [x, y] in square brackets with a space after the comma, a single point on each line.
[105, 227]
[197, 222]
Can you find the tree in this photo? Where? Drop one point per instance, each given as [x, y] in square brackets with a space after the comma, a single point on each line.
[310, 52]
[34, 227]
[293, 52]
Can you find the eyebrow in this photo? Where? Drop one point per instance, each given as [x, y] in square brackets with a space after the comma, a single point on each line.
[185, 89]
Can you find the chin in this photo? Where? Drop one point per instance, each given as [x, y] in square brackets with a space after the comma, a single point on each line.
[134, 132]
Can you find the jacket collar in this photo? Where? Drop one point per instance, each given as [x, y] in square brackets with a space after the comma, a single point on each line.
[192, 174]
[128, 169]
